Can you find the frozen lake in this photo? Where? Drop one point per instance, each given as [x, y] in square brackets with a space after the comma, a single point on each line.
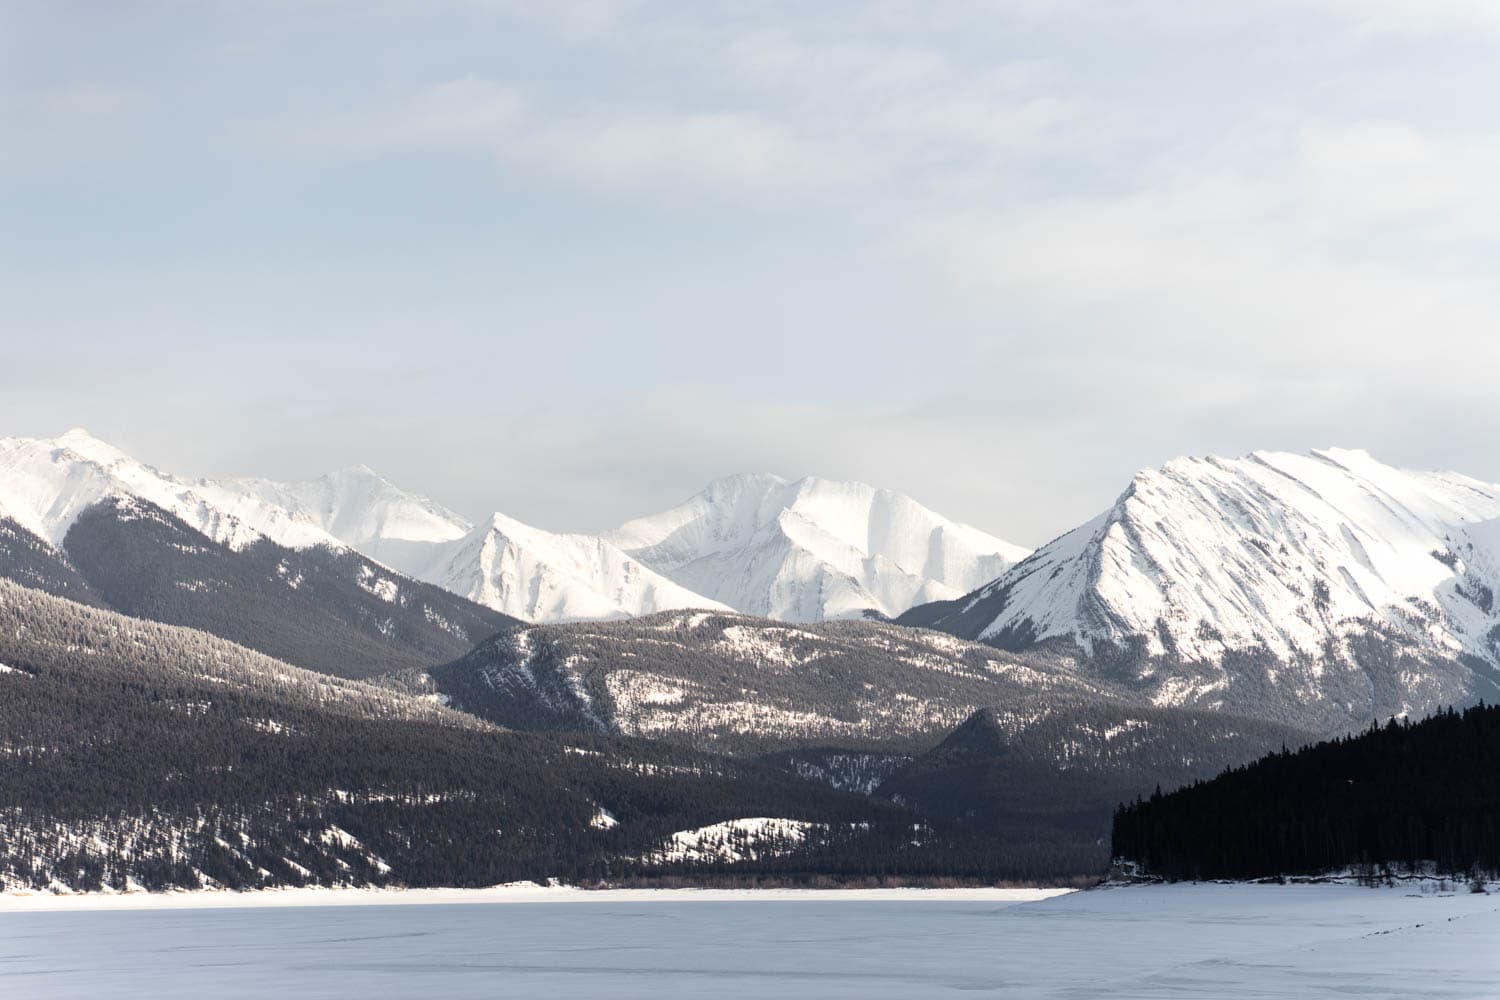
[1170, 941]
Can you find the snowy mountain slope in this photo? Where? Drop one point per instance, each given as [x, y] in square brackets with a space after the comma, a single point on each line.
[1319, 568]
[31, 561]
[813, 549]
[541, 575]
[80, 518]
[799, 551]
[501, 563]
[331, 610]
[47, 483]
[365, 511]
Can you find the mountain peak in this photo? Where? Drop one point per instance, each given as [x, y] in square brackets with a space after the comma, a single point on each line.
[357, 471]
[1347, 458]
[979, 733]
[741, 483]
[80, 442]
[813, 548]
[756, 542]
[1290, 561]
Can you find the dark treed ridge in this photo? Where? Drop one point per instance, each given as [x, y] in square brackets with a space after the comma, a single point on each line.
[30, 561]
[1401, 795]
[1048, 785]
[328, 610]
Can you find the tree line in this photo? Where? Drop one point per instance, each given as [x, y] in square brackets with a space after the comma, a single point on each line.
[1414, 795]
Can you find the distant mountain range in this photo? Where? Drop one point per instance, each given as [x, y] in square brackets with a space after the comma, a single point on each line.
[799, 551]
[804, 551]
[822, 677]
[1318, 590]
[813, 549]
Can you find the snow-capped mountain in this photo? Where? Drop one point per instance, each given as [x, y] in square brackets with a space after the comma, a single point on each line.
[501, 563]
[801, 551]
[365, 511]
[1324, 578]
[46, 484]
[813, 549]
[545, 576]
[82, 519]
[798, 551]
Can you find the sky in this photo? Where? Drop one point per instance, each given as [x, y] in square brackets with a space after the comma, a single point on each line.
[573, 259]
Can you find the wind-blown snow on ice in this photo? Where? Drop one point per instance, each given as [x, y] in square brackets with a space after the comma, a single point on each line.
[1142, 943]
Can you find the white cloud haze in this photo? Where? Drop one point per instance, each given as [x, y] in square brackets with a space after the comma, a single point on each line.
[570, 260]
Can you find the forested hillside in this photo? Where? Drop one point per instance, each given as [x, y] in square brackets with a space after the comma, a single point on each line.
[30, 561]
[333, 611]
[746, 685]
[1402, 794]
[860, 706]
[1045, 786]
[137, 754]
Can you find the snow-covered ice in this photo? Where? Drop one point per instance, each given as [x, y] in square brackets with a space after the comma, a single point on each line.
[1205, 941]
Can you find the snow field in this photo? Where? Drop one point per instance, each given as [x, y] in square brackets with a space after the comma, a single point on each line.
[1231, 942]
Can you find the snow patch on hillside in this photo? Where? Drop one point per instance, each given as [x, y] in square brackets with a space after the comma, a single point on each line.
[734, 840]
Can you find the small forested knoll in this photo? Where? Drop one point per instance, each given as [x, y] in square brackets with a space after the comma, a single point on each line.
[137, 754]
[333, 611]
[1044, 784]
[1402, 794]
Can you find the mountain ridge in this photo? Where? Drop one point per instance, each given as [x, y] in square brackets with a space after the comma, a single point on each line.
[1326, 577]
[759, 542]
[808, 550]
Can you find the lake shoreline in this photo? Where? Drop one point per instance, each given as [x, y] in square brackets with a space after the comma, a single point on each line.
[40, 902]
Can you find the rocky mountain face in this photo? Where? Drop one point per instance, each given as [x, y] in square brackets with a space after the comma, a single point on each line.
[1322, 589]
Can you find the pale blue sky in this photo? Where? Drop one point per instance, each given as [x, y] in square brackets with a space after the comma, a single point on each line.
[572, 259]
